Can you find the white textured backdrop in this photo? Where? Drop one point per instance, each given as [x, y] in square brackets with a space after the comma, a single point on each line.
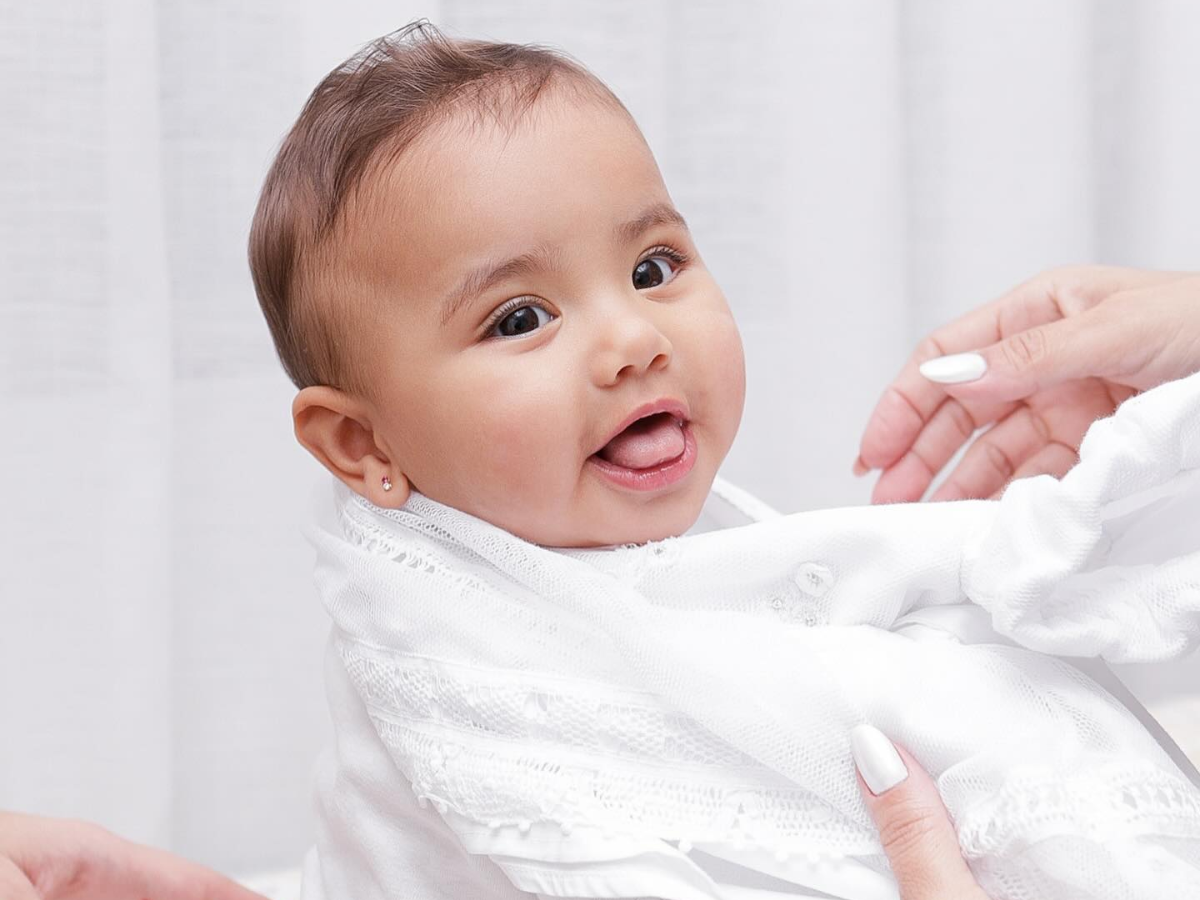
[855, 173]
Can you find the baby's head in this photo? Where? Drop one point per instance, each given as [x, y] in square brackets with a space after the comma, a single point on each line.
[473, 272]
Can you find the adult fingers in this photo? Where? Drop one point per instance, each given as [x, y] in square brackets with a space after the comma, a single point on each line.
[1054, 459]
[951, 426]
[1031, 361]
[1136, 340]
[914, 827]
[908, 403]
[996, 456]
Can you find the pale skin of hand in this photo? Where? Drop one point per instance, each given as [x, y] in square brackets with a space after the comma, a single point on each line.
[1063, 349]
[64, 859]
[919, 839]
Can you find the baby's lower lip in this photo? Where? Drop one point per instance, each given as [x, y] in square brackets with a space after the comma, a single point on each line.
[655, 477]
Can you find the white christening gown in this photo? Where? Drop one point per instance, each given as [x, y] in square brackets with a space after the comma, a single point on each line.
[378, 837]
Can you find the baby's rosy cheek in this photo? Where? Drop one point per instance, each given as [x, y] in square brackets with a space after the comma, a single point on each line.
[518, 437]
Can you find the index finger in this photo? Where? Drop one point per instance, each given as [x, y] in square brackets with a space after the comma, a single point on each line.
[908, 403]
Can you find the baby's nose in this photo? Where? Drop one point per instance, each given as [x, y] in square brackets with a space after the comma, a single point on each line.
[631, 347]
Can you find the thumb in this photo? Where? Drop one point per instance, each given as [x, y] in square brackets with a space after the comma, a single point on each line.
[1031, 360]
[914, 827]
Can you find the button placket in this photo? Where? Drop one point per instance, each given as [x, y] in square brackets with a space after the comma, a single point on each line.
[800, 600]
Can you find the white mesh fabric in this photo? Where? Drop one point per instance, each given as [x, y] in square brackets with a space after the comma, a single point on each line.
[702, 688]
[1105, 562]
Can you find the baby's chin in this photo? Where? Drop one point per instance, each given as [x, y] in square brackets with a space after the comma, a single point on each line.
[669, 515]
[600, 516]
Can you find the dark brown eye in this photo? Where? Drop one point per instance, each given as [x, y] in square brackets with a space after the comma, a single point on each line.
[652, 272]
[521, 320]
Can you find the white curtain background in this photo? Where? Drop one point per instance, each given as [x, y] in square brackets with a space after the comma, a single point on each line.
[856, 173]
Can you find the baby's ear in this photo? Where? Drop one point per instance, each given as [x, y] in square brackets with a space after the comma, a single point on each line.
[391, 491]
[336, 429]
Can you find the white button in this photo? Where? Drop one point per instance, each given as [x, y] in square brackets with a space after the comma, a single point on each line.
[814, 579]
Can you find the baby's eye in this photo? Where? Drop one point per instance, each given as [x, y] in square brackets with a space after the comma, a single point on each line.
[521, 320]
[653, 271]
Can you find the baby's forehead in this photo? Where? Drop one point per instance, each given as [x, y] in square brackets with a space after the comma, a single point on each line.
[470, 133]
[466, 189]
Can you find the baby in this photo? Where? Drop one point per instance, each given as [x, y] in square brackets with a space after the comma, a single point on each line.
[474, 273]
[511, 356]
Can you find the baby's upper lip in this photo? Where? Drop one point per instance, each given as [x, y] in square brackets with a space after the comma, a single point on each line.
[677, 408]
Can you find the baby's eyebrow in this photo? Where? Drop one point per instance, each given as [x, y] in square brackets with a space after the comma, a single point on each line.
[490, 274]
[658, 214]
[541, 258]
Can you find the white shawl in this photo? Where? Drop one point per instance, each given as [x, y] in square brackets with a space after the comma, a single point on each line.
[700, 690]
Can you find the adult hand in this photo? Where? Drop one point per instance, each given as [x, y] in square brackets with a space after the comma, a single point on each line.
[1039, 365]
[914, 827]
[59, 859]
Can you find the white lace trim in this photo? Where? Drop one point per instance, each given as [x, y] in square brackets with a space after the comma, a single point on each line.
[515, 750]
[524, 706]
[1104, 803]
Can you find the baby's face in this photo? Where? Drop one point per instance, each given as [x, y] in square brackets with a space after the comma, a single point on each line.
[499, 410]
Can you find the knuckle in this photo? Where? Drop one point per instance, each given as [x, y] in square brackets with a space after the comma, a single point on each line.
[999, 460]
[960, 418]
[1039, 426]
[929, 348]
[1065, 459]
[907, 832]
[1046, 280]
[68, 874]
[1025, 349]
[902, 401]
[94, 841]
[1066, 279]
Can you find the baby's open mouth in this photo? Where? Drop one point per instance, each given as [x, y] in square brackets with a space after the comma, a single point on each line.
[648, 442]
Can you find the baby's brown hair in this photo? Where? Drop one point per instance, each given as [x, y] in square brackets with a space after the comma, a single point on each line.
[363, 115]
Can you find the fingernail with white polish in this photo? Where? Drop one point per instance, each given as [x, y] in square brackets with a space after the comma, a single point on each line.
[877, 760]
[954, 369]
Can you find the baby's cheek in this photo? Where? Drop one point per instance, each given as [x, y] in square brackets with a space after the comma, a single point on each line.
[733, 364]
[723, 361]
[521, 434]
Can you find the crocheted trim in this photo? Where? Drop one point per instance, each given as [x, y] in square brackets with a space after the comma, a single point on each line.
[1102, 803]
[524, 706]
[515, 785]
[512, 751]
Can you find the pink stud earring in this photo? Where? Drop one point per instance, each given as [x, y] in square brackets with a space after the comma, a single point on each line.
[387, 483]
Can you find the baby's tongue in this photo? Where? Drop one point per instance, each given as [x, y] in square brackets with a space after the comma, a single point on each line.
[645, 443]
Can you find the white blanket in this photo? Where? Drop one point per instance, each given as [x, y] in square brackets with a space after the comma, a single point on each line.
[698, 692]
